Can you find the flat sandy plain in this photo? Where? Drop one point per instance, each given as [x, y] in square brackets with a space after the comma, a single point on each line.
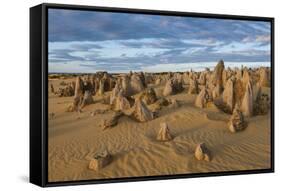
[74, 138]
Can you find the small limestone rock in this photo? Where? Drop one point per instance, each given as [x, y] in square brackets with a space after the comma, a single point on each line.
[174, 103]
[99, 161]
[52, 88]
[66, 91]
[262, 104]
[113, 121]
[202, 153]
[70, 108]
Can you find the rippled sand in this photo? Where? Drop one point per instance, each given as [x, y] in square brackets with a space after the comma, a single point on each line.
[73, 140]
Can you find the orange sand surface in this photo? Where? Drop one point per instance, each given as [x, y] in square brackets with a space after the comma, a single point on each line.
[74, 138]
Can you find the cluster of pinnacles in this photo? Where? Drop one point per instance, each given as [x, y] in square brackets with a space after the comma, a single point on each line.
[237, 92]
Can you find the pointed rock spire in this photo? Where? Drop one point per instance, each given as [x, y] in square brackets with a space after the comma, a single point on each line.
[264, 78]
[217, 74]
[168, 89]
[236, 122]
[228, 95]
[193, 87]
[203, 98]
[247, 103]
[87, 99]
[202, 153]
[141, 112]
[164, 133]
[148, 96]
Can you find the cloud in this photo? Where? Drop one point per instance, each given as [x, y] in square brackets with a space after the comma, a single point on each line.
[122, 41]
[123, 54]
[85, 46]
[263, 38]
[74, 25]
[62, 55]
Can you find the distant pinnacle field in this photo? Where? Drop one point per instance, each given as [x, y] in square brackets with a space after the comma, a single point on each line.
[104, 125]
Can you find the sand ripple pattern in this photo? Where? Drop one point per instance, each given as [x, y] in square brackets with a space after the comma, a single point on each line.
[136, 153]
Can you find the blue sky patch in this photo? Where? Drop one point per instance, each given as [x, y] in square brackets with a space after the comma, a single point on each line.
[89, 41]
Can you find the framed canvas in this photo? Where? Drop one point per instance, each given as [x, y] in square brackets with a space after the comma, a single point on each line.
[128, 94]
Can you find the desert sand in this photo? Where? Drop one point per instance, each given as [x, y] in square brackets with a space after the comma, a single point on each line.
[76, 134]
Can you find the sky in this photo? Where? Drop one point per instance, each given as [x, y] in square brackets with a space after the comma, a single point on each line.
[90, 41]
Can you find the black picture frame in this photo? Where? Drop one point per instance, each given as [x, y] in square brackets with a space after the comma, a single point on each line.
[39, 93]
